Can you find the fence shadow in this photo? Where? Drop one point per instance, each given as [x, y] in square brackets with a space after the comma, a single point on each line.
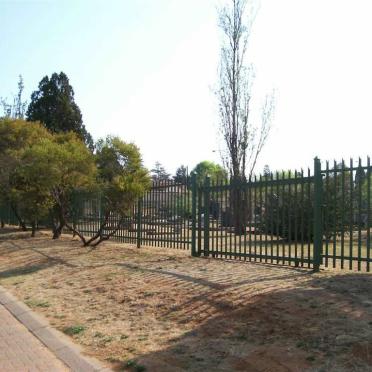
[322, 324]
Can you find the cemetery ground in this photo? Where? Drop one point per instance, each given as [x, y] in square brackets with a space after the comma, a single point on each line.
[158, 309]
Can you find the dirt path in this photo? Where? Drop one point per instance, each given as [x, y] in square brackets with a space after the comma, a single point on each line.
[160, 310]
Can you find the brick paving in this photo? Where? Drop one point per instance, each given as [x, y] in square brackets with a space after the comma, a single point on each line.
[21, 351]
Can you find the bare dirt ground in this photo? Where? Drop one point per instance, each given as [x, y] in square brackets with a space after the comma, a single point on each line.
[158, 309]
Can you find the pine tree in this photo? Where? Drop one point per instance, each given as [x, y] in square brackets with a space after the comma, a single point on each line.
[53, 104]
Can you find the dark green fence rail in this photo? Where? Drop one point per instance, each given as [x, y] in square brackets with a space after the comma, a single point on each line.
[314, 218]
[7, 215]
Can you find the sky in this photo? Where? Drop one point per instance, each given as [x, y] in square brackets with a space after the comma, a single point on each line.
[147, 70]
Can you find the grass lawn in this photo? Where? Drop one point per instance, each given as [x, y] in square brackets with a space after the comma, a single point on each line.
[159, 309]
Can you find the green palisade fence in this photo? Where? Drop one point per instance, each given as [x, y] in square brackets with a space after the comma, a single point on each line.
[347, 215]
[306, 219]
[309, 218]
[267, 219]
[161, 218]
[7, 215]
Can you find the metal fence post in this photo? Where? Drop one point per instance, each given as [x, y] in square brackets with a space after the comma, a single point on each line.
[193, 214]
[139, 223]
[318, 223]
[206, 215]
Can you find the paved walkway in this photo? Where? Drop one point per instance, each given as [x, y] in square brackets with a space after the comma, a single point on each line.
[21, 351]
[28, 343]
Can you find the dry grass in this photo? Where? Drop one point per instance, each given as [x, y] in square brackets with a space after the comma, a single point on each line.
[161, 310]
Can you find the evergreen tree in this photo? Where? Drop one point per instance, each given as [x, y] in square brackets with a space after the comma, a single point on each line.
[181, 175]
[158, 173]
[53, 104]
[266, 172]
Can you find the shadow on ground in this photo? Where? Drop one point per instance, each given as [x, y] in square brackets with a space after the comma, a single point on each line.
[10, 233]
[227, 316]
[326, 326]
[12, 238]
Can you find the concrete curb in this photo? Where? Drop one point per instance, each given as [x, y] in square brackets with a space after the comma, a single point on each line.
[55, 341]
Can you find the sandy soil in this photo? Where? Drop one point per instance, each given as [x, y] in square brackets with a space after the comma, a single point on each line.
[159, 309]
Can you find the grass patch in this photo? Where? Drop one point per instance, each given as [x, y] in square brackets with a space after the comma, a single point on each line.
[132, 364]
[37, 303]
[74, 330]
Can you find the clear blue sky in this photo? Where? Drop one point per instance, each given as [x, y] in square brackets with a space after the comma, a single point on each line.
[145, 70]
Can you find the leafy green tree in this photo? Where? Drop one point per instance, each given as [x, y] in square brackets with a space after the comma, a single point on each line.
[53, 104]
[122, 179]
[32, 181]
[181, 175]
[39, 171]
[75, 169]
[15, 137]
[208, 168]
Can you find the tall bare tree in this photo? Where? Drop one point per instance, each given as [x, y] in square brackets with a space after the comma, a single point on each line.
[18, 108]
[243, 140]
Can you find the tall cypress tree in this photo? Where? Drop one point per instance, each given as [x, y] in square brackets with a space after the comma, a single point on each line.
[53, 104]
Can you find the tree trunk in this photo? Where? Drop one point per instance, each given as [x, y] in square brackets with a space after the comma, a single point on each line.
[33, 229]
[237, 202]
[57, 232]
[108, 236]
[22, 224]
[2, 223]
[61, 223]
[99, 233]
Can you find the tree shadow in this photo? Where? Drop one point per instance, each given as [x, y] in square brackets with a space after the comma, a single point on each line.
[7, 234]
[323, 323]
[25, 270]
[9, 230]
[44, 261]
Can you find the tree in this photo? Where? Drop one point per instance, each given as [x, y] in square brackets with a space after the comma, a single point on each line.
[17, 109]
[53, 104]
[243, 140]
[208, 168]
[15, 137]
[367, 198]
[288, 209]
[122, 179]
[181, 175]
[159, 173]
[32, 181]
[39, 171]
[266, 171]
[75, 169]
